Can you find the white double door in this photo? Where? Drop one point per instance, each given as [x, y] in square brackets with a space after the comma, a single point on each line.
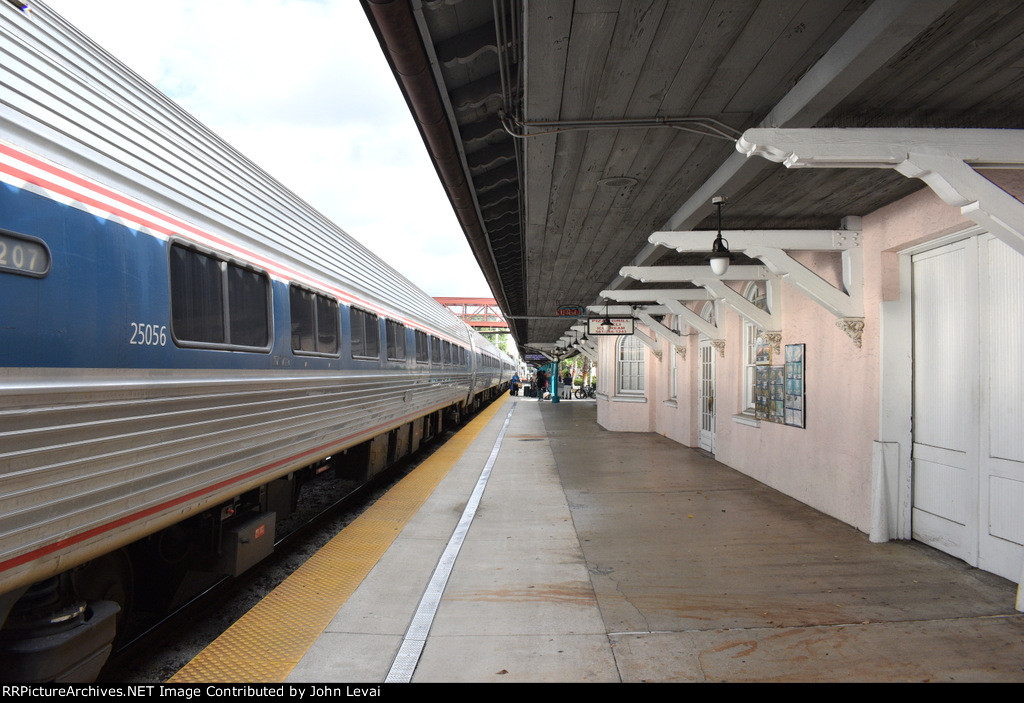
[968, 422]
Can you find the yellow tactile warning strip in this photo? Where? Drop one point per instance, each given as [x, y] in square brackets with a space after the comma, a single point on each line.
[266, 643]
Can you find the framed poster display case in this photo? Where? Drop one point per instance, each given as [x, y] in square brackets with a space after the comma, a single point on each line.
[796, 396]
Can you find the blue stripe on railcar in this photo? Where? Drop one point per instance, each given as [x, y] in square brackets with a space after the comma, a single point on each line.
[105, 303]
[56, 320]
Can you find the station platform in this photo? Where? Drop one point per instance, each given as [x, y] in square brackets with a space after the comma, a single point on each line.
[616, 557]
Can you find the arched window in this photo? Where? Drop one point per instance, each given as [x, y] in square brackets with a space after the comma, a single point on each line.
[630, 362]
[707, 313]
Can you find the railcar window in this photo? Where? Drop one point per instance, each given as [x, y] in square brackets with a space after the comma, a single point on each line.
[301, 304]
[365, 332]
[197, 303]
[396, 340]
[326, 325]
[422, 347]
[447, 353]
[435, 350]
[216, 302]
[314, 322]
[248, 322]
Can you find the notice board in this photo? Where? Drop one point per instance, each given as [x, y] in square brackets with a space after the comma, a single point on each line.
[779, 391]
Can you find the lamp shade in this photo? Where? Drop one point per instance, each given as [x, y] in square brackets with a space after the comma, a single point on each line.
[719, 258]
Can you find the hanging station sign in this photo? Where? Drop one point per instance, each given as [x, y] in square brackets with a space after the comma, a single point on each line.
[619, 326]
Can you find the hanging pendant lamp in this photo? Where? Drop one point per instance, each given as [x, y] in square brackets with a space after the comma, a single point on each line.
[719, 258]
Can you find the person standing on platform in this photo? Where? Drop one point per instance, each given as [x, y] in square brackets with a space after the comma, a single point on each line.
[567, 386]
[514, 383]
[542, 382]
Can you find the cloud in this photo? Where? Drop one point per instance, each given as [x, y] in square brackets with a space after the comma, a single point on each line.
[301, 88]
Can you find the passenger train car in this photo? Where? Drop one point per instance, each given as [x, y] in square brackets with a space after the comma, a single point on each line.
[183, 342]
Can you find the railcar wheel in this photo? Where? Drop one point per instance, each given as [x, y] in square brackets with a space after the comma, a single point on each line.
[110, 578]
[53, 635]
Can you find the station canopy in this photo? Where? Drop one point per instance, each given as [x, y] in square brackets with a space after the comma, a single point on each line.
[567, 132]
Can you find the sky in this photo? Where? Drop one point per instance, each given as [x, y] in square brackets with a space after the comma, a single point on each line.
[301, 88]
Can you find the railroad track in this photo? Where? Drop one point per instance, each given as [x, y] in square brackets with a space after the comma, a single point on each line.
[169, 641]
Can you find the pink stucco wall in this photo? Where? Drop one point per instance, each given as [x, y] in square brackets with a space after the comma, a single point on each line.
[828, 464]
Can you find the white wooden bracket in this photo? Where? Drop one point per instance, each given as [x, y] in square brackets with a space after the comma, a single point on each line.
[770, 246]
[648, 341]
[714, 284]
[680, 274]
[574, 339]
[770, 319]
[625, 310]
[587, 351]
[569, 338]
[672, 302]
[698, 323]
[661, 330]
[848, 303]
[945, 159]
[646, 295]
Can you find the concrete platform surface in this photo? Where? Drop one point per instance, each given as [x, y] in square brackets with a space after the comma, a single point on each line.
[625, 557]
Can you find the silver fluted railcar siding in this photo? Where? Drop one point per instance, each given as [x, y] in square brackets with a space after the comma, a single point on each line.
[92, 459]
[69, 101]
[117, 454]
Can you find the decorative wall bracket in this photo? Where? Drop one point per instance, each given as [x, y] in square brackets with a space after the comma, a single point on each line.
[854, 328]
[719, 344]
[775, 339]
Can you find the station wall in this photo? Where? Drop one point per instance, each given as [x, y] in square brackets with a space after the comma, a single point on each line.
[828, 464]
